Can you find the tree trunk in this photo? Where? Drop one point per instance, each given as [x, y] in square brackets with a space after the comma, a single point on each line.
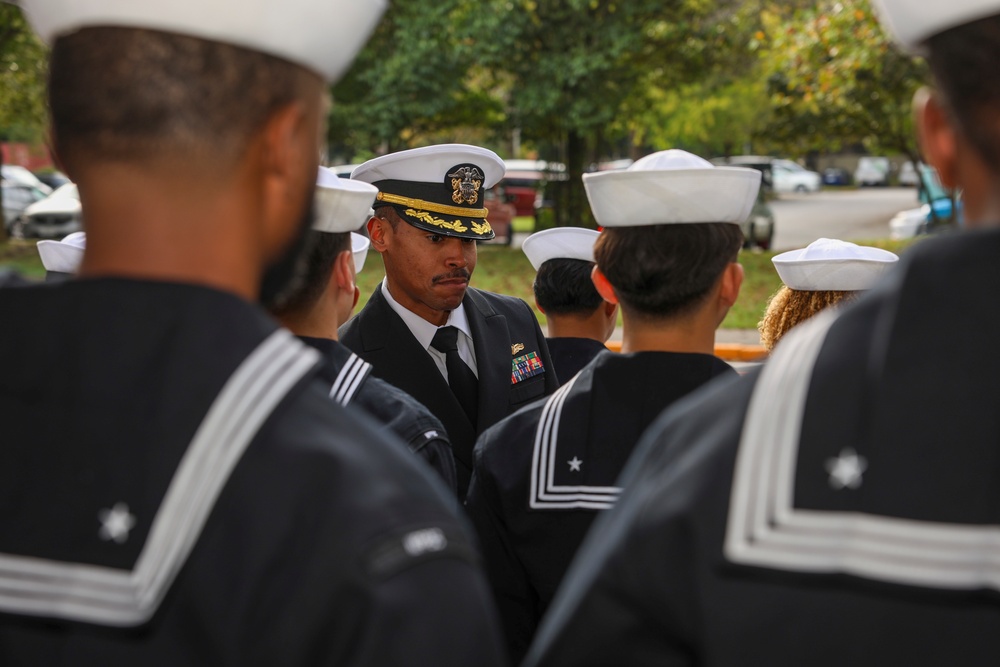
[576, 212]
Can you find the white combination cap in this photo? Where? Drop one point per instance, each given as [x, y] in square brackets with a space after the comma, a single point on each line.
[342, 205]
[560, 243]
[320, 35]
[439, 189]
[63, 256]
[359, 248]
[914, 21]
[672, 187]
[832, 265]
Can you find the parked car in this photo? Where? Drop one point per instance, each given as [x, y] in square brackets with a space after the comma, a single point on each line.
[788, 176]
[55, 216]
[758, 230]
[908, 175]
[53, 179]
[524, 179]
[17, 174]
[872, 171]
[17, 197]
[916, 221]
[836, 176]
[501, 213]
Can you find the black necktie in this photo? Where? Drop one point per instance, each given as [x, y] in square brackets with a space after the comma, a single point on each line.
[460, 377]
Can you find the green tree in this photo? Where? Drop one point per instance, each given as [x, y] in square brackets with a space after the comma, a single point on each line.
[572, 67]
[22, 84]
[836, 78]
[413, 79]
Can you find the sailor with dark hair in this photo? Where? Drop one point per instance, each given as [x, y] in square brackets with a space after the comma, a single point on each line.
[323, 300]
[543, 474]
[840, 507]
[176, 487]
[578, 320]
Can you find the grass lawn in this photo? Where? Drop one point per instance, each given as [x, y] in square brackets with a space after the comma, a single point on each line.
[508, 271]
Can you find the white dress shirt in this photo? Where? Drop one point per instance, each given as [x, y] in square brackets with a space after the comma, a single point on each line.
[424, 332]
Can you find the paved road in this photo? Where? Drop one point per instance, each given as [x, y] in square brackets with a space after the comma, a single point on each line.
[849, 215]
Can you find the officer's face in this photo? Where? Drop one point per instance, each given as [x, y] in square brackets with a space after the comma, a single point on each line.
[427, 273]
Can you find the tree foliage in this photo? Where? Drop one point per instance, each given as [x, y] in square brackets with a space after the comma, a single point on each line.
[414, 78]
[22, 83]
[836, 78]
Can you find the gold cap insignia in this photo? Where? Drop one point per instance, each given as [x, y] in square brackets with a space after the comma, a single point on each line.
[466, 181]
[516, 347]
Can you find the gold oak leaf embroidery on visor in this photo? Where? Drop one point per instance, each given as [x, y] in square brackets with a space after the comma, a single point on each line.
[424, 216]
[481, 228]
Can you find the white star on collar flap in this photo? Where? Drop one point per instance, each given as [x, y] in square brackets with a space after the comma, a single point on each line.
[846, 470]
[829, 264]
[63, 256]
[560, 243]
[342, 205]
[116, 523]
[672, 187]
[914, 21]
[321, 36]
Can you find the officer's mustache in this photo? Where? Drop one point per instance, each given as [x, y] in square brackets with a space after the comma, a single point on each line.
[454, 275]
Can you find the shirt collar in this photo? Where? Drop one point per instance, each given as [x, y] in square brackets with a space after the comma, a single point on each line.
[421, 329]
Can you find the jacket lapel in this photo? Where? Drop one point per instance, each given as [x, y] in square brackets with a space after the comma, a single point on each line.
[492, 341]
[398, 358]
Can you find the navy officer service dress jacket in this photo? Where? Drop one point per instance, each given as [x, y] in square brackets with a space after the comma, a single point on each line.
[841, 507]
[543, 474]
[504, 330]
[176, 488]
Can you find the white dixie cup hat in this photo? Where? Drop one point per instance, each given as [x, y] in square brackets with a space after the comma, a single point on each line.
[672, 187]
[832, 265]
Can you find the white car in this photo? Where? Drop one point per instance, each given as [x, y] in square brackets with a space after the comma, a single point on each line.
[872, 171]
[55, 216]
[788, 176]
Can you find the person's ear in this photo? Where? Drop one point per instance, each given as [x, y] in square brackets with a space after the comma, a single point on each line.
[603, 286]
[610, 310]
[288, 161]
[937, 136]
[729, 284]
[379, 231]
[540, 309]
[343, 275]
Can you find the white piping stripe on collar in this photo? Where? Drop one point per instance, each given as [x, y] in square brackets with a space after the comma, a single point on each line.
[766, 529]
[108, 596]
[349, 379]
[544, 492]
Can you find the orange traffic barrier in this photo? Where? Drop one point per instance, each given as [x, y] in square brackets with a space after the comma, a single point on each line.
[725, 351]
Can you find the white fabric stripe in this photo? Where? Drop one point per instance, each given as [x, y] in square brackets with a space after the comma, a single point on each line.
[354, 380]
[765, 528]
[115, 597]
[342, 377]
[544, 491]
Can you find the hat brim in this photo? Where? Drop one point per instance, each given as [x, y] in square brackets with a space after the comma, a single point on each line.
[442, 224]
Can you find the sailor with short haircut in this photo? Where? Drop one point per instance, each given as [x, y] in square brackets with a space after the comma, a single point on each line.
[176, 486]
[840, 507]
[324, 299]
[668, 256]
[578, 320]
